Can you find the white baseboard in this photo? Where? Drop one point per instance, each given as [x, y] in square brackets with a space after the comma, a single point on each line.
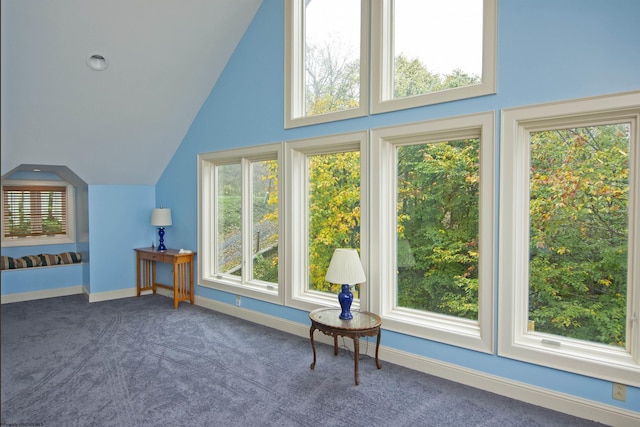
[568, 404]
[109, 295]
[49, 293]
[561, 402]
[72, 290]
[125, 293]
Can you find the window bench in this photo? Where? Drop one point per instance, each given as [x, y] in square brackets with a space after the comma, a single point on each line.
[41, 276]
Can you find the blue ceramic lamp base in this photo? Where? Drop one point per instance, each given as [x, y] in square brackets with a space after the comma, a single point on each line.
[161, 246]
[345, 297]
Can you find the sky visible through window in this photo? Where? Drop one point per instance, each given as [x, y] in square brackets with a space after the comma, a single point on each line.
[430, 30]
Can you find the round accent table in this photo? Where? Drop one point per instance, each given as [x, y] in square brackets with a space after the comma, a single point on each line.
[327, 321]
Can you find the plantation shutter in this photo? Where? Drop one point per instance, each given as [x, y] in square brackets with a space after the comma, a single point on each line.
[34, 211]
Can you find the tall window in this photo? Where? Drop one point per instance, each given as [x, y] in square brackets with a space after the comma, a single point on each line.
[36, 214]
[437, 192]
[239, 214]
[422, 52]
[326, 56]
[333, 195]
[571, 209]
[325, 211]
[434, 205]
[228, 217]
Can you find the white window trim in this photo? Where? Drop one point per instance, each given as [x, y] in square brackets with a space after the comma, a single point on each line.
[476, 335]
[207, 277]
[382, 63]
[45, 240]
[296, 208]
[595, 360]
[294, 72]
[375, 75]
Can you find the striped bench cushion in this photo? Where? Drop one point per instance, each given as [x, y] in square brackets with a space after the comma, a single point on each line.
[7, 262]
[70, 257]
[28, 261]
[49, 259]
[40, 260]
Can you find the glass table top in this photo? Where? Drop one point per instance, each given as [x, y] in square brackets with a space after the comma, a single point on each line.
[331, 317]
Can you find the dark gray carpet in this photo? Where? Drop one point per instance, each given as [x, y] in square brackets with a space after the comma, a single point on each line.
[139, 362]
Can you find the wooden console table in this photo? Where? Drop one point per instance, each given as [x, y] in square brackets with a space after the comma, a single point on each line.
[182, 288]
[327, 320]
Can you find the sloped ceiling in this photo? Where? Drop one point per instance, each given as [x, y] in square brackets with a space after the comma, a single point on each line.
[121, 125]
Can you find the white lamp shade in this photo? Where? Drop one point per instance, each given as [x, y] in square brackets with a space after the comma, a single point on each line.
[161, 217]
[345, 268]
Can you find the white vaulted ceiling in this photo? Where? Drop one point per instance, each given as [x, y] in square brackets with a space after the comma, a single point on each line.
[121, 125]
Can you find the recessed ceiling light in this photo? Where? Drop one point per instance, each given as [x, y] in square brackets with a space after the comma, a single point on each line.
[97, 62]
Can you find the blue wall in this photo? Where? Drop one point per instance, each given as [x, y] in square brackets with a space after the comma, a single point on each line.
[548, 50]
[119, 218]
[41, 279]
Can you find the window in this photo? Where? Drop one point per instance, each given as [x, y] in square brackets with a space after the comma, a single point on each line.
[326, 55]
[429, 52]
[421, 53]
[240, 222]
[432, 216]
[326, 212]
[569, 293]
[37, 213]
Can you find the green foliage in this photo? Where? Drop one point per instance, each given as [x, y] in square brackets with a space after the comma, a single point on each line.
[578, 233]
[334, 211]
[265, 266]
[438, 190]
[413, 78]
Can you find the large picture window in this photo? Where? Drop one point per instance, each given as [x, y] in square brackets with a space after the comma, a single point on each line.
[569, 215]
[432, 215]
[239, 216]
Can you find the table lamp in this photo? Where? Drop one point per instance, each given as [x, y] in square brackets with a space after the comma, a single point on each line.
[345, 269]
[161, 218]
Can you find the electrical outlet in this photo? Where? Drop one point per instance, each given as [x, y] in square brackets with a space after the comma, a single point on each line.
[238, 300]
[619, 391]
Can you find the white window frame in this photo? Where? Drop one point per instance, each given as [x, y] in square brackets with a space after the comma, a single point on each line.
[477, 335]
[44, 240]
[296, 253]
[294, 72]
[382, 63]
[515, 341]
[207, 247]
[376, 75]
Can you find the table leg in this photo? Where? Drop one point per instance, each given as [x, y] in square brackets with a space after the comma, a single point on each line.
[356, 356]
[191, 295]
[138, 272]
[377, 348]
[153, 275]
[335, 345]
[176, 282]
[313, 346]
